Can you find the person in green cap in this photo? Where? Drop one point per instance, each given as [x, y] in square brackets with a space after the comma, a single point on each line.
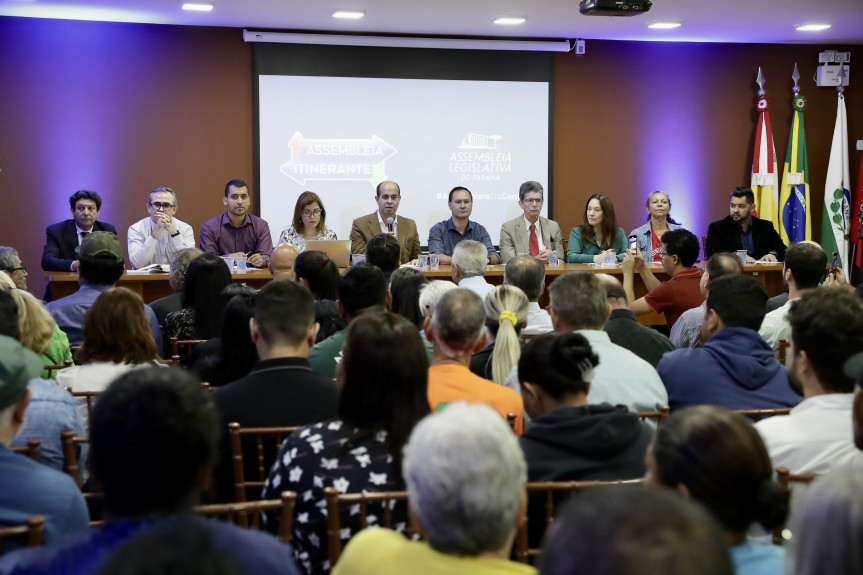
[30, 488]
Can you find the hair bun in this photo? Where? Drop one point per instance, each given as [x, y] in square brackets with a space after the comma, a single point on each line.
[771, 503]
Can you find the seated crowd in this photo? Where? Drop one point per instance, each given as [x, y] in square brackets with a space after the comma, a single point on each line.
[467, 402]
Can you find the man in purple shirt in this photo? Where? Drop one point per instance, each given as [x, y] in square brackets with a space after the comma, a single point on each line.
[237, 232]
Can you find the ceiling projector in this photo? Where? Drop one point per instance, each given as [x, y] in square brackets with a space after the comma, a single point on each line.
[614, 7]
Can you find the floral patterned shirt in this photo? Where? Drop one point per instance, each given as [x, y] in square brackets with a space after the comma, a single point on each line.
[319, 456]
[296, 239]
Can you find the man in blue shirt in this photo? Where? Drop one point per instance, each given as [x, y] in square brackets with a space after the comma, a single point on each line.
[444, 236]
[101, 265]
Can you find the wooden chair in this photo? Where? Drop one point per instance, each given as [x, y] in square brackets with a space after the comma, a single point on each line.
[70, 456]
[89, 397]
[334, 500]
[759, 414]
[704, 247]
[182, 347]
[553, 491]
[31, 450]
[783, 346]
[30, 531]
[264, 437]
[788, 480]
[74, 349]
[52, 368]
[661, 414]
[248, 515]
[511, 419]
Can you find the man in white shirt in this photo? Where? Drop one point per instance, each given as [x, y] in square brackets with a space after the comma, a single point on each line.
[805, 263]
[530, 234]
[155, 239]
[528, 274]
[826, 328]
[469, 260]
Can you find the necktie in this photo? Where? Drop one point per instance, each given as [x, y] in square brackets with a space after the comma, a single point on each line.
[84, 235]
[533, 243]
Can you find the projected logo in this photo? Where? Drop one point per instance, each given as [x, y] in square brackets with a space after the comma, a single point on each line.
[479, 159]
[337, 159]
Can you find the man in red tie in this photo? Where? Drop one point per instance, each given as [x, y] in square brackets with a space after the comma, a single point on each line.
[530, 234]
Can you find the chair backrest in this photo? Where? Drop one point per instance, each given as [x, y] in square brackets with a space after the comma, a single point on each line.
[30, 531]
[789, 480]
[248, 515]
[334, 500]
[182, 347]
[553, 490]
[511, 419]
[759, 414]
[88, 397]
[70, 455]
[52, 368]
[31, 450]
[659, 415]
[783, 346]
[261, 437]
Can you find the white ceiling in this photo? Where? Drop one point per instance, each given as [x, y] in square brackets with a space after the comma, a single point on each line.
[770, 21]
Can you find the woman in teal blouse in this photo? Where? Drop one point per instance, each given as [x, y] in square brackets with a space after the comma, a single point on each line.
[598, 236]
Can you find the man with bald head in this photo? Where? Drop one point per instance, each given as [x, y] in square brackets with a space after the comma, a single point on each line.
[387, 195]
[282, 261]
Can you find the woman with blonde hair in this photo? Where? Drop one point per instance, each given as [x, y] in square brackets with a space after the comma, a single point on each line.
[505, 316]
[39, 331]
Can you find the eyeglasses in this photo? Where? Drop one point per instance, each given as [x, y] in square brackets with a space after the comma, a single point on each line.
[12, 270]
[314, 213]
[161, 206]
[661, 253]
[532, 201]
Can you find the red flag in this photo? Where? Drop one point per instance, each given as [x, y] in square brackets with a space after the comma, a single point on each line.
[855, 216]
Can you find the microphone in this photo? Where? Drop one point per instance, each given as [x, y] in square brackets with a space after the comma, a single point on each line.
[390, 224]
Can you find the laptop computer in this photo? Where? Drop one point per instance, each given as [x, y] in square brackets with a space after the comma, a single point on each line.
[337, 250]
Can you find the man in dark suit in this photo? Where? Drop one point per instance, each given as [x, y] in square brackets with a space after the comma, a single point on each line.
[281, 389]
[743, 231]
[365, 228]
[63, 239]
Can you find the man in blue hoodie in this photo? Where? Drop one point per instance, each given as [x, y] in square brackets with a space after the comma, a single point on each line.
[735, 368]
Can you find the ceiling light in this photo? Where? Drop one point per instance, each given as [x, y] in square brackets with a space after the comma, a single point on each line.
[197, 6]
[813, 26]
[510, 20]
[664, 24]
[349, 14]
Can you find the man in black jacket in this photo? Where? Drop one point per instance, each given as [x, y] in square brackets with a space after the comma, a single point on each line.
[742, 231]
[63, 239]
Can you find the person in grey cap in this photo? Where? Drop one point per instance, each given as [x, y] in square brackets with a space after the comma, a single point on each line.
[30, 488]
[101, 266]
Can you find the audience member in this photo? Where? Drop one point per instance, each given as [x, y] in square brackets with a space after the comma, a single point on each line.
[569, 439]
[733, 478]
[578, 303]
[382, 251]
[238, 232]
[527, 273]
[446, 235]
[673, 297]
[405, 287]
[430, 296]
[469, 260]
[152, 427]
[230, 355]
[530, 234]
[735, 368]
[628, 531]
[282, 261]
[456, 329]
[740, 230]
[51, 409]
[686, 331]
[505, 316]
[63, 239]
[156, 238]
[362, 289]
[40, 333]
[176, 279]
[382, 395]
[309, 223]
[387, 195]
[854, 370]
[827, 526]
[101, 266]
[206, 277]
[10, 263]
[465, 479]
[648, 238]
[826, 329]
[803, 270]
[598, 238]
[624, 330]
[320, 274]
[281, 389]
[29, 488]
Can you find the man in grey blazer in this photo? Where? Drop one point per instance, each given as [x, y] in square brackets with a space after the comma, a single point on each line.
[516, 236]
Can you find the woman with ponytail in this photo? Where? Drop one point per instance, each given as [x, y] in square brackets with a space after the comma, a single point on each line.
[505, 315]
[716, 457]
